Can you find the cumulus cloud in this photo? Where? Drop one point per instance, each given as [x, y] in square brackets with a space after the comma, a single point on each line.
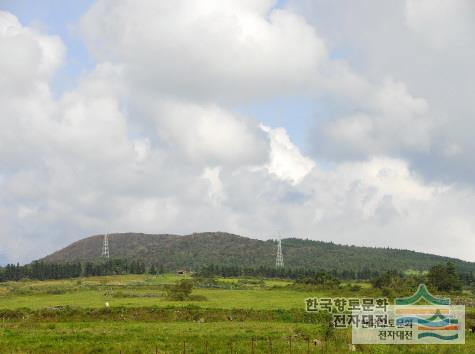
[150, 139]
[216, 192]
[28, 61]
[230, 50]
[286, 160]
[387, 120]
[426, 47]
[381, 199]
[29, 57]
[74, 164]
[442, 23]
[207, 133]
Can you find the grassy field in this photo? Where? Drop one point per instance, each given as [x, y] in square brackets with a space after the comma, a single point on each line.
[70, 316]
[134, 291]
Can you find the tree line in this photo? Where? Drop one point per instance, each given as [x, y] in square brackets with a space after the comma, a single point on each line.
[287, 273]
[443, 277]
[45, 270]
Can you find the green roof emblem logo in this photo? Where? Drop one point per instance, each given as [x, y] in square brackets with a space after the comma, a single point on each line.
[422, 293]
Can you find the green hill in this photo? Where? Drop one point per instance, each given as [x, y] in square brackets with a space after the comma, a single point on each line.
[199, 249]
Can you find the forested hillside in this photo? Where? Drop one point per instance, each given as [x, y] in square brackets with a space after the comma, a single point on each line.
[201, 249]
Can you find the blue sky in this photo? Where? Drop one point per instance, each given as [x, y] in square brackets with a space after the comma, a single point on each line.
[377, 143]
[59, 17]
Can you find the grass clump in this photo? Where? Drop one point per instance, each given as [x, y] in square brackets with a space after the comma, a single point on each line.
[180, 291]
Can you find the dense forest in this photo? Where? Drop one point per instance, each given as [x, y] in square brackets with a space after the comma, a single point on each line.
[44, 270]
[227, 255]
[441, 277]
[198, 250]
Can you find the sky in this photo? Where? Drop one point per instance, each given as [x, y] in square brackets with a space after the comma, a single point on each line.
[339, 121]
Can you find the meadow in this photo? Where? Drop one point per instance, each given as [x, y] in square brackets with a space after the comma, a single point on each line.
[132, 314]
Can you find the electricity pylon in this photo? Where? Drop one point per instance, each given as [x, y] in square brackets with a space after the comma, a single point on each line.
[279, 261]
[105, 246]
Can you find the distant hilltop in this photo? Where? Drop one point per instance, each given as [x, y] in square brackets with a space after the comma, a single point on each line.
[220, 248]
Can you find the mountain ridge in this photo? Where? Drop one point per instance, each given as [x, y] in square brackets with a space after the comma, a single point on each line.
[200, 249]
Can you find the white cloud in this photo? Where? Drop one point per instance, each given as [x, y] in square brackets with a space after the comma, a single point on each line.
[207, 133]
[211, 49]
[426, 46]
[390, 120]
[286, 161]
[381, 202]
[442, 23]
[29, 58]
[452, 149]
[142, 149]
[149, 139]
[216, 192]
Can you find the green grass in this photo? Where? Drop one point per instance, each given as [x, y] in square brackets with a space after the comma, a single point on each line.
[146, 337]
[141, 318]
[216, 298]
[95, 292]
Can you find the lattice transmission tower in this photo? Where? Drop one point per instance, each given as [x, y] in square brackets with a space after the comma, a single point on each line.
[105, 246]
[279, 261]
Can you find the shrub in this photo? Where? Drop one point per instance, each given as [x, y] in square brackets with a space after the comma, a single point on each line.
[387, 292]
[444, 278]
[181, 290]
[323, 280]
[205, 282]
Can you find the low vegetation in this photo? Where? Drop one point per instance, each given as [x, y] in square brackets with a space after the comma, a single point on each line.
[145, 313]
[122, 305]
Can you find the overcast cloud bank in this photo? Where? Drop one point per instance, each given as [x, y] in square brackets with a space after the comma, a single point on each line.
[150, 140]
